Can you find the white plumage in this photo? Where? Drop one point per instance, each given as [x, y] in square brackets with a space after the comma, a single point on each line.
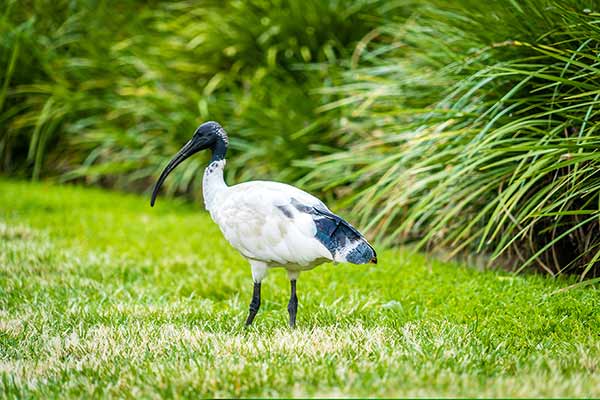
[271, 224]
[251, 218]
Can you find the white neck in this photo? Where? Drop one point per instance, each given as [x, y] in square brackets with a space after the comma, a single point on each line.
[213, 182]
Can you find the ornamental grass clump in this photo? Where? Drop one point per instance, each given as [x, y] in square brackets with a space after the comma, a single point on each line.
[105, 94]
[475, 127]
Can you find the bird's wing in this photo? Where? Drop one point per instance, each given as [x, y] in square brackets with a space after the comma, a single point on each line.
[257, 218]
[343, 240]
[275, 222]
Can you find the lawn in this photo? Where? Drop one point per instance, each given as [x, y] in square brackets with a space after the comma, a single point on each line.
[103, 295]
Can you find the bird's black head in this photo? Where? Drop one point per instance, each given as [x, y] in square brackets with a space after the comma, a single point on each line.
[211, 132]
[209, 135]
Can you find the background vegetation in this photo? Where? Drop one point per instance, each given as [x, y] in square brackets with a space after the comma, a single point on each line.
[462, 125]
[483, 122]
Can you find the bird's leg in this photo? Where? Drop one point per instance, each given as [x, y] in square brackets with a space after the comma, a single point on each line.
[293, 304]
[259, 271]
[254, 304]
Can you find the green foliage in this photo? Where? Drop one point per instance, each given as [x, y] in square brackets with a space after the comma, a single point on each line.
[103, 296]
[112, 94]
[465, 125]
[476, 128]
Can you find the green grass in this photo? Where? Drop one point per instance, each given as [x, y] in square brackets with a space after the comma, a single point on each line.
[102, 295]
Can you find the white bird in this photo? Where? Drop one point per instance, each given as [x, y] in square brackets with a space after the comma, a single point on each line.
[271, 224]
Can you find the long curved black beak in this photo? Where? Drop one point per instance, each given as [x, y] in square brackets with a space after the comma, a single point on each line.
[190, 148]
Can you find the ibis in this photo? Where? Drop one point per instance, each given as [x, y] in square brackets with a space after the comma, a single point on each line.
[271, 224]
